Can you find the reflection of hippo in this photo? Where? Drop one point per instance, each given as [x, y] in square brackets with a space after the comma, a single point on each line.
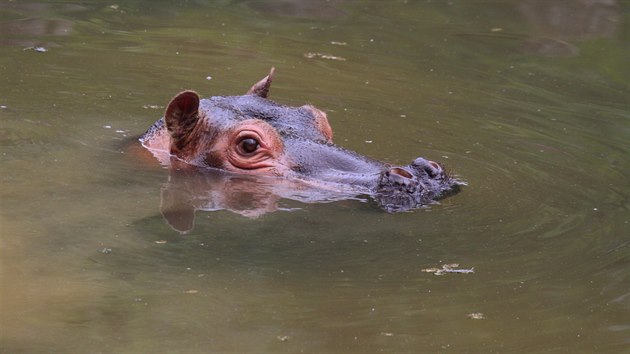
[191, 189]
[251, 135]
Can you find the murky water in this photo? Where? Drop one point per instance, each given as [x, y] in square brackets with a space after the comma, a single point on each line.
[528, 101]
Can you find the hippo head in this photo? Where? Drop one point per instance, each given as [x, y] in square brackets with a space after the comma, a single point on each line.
[252, 135]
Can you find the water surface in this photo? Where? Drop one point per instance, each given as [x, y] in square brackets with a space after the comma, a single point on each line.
[527, 101]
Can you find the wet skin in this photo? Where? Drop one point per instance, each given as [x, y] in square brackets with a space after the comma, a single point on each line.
[252, 135]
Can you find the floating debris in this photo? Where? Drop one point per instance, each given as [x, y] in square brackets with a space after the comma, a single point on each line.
[3, 107]
[338, 43]
[106, 250]
[152, 106]
[191, 291]
[283, 338]
[37, 49]
[160, 242]
[476, 316]
[387, 334]
[496, 29]
[323, 56]
[448, 268]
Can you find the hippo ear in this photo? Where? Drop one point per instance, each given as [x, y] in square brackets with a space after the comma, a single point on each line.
[261, 88]
[181, 117]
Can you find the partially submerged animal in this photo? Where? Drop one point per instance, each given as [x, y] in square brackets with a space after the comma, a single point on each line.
[252, 135]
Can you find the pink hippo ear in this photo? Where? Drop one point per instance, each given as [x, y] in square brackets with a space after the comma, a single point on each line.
[261, 88]
[181, 117]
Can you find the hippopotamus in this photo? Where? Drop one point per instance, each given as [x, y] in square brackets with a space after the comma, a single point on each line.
[250, 135]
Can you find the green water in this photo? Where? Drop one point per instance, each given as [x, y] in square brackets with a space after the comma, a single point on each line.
[527, 101]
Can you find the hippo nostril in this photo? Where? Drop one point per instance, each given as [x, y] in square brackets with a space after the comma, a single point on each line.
[400, 172]
[399, 179]
[420, 162]
[433, 169]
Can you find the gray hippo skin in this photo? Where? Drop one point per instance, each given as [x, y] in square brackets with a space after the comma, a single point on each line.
[250, 135]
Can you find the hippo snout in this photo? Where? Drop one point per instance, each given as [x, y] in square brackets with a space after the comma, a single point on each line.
[409, 177]
[401, 188]
[431, 168]
[398, 178]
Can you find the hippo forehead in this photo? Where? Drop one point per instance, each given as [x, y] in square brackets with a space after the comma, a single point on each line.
[224, 112]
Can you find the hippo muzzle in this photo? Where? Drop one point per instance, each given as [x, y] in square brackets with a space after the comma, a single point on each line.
[422, 182]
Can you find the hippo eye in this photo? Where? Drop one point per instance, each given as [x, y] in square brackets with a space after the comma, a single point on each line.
[248, 146]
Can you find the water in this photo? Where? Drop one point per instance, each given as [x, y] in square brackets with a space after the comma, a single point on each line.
[525, 100]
